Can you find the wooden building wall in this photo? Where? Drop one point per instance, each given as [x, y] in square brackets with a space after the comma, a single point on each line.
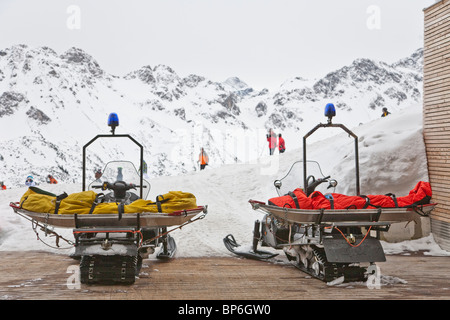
[436, 114]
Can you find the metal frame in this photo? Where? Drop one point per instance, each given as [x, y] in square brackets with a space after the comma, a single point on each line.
[141, 175]
[327, 125]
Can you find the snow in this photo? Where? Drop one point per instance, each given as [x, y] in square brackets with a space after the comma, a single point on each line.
[392, 159]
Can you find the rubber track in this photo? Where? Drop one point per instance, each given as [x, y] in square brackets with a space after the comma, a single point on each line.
[108, 269]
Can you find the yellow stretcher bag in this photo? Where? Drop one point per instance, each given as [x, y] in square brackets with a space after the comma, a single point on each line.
[86, 202]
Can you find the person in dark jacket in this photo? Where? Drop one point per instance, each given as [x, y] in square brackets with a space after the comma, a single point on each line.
[385, 112]
[281, 144]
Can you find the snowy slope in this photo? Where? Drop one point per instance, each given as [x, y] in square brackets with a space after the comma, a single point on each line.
[226, 190]
[52, 103]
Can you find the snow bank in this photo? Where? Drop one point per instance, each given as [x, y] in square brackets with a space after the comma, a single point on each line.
[392, 159]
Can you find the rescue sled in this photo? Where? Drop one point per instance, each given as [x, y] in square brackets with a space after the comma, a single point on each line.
[111, 240]
[320, 236]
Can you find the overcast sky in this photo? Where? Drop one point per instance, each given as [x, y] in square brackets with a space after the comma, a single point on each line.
[263, 42]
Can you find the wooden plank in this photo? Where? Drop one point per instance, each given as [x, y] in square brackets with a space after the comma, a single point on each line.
[433, 106]
[436, 33]
[170, 286]
[431, 143]
[437, 72]
[436, 24]
[438, 93]
[440, 181]
[437, 90]
[433, 155]
[434, 85]
[441, 198]
[435, 58]
[440, 189]
[434, 30]
[436, 109]
[435, 170]
[438, 10]
[431, 67]
[436, 101]
[437, 131]
[433, 138]
[437, 43]
[431, 76]
[430, 122]
[440, 215]
[436, 127]
[434, 174]
[442, 206]
[441, 16]
[441, 211]
[435, 8]
[436, 104]
[438, 57]
[445, 87]
[439, 163]
[437, 149]
[438, 134]
[438, 155]
[435, 55]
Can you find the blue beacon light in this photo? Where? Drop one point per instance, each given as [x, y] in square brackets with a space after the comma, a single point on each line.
[113, 121]
[330, 111]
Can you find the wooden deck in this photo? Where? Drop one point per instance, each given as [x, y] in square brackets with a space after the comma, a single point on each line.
[44, 276]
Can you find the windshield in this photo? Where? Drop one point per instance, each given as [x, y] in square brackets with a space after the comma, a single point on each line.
[121, 171]
[293, 179]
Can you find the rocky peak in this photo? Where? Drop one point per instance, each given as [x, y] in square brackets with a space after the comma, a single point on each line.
[413, 62]
[78, 57]
[236, 86]
[145, 74]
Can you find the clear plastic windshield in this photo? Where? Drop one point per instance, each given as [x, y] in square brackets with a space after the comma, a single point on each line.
[121, 171]
[293, 179]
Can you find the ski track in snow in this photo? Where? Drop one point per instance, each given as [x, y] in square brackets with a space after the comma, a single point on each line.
[386, 165]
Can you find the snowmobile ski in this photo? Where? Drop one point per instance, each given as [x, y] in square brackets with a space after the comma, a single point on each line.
[231, 245]
[169, 247]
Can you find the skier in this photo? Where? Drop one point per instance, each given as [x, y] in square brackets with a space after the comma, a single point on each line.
[51, 180]
[2, 186]
[272, 139]
[30, 182]
[281, 144]
[385, 112]
[203, 159]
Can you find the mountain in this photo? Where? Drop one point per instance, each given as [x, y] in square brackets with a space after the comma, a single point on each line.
[52, 104]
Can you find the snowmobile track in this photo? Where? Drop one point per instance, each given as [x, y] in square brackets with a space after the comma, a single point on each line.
[35, 275]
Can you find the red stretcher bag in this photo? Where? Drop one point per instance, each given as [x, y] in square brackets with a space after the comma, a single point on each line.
[421, 194]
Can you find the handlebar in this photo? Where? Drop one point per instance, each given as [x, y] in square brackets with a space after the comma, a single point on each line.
[115, 186]
[313, 185]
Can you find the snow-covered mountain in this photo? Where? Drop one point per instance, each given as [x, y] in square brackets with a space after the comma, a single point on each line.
[52, 104]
